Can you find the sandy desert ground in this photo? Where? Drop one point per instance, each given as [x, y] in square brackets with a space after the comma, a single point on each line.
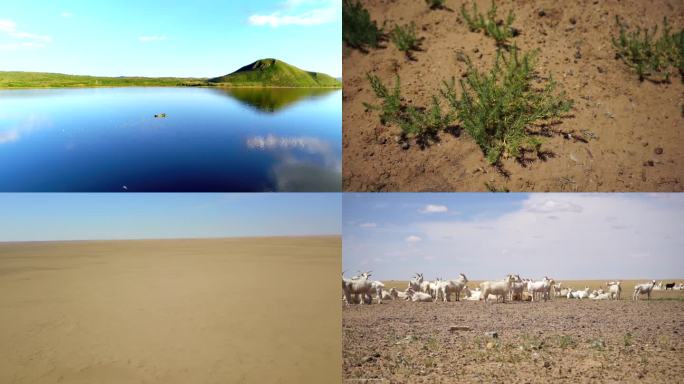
[558, 341]
[634, 129]
[170, 311]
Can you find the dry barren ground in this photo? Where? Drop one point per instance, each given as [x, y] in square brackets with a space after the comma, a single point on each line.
[561, 340]
[636, 129]
[170, 311]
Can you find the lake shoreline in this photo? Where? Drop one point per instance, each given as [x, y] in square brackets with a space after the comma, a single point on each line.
[164, 86]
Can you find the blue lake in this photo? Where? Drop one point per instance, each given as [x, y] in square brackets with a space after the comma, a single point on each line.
[108, 139]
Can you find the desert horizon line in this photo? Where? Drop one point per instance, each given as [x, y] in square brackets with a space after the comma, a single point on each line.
[169, 238]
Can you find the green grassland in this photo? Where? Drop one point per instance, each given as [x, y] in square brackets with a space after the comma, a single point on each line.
[262, 73]
[57, 80]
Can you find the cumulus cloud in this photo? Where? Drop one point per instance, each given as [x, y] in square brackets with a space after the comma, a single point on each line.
[413, 239]
[21, 39]
[326, 12]
[368, 225]
[432, 208]
[150, 39]
[548, 206]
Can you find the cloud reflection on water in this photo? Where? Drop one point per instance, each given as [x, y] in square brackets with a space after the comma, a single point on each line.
[294, 170]
[16, 131]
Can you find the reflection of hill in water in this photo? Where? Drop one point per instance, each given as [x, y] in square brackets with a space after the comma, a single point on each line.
[274, 99]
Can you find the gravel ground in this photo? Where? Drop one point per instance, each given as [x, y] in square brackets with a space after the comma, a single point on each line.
[560, 340]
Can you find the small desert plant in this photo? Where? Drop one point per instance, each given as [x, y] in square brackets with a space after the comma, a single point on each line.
[650, 57]
[435, 4]
[404, 37]
[493, 188]
[566, 341]
[358, 30]
[497, 108]
[597, 344]
[412, 120]
[499, 31]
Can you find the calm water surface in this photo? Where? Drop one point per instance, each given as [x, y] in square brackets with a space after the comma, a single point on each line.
[107, 139]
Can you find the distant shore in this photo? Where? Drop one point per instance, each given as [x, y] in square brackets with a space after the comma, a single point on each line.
[40, 80]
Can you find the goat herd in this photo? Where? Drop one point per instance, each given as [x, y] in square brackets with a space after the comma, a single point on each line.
[361, 289]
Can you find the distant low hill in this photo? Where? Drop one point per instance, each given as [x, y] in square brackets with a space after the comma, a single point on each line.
[275, 73]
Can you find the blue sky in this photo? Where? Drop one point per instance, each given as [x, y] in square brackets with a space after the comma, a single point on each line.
[486, 236]
[37, 217]
[201, 38]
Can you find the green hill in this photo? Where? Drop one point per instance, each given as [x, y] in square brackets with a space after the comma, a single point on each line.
[275, 73]
[58, 80]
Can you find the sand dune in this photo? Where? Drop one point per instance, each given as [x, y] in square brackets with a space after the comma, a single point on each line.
[171, 311]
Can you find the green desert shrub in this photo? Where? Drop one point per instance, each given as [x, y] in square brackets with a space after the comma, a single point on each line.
[412, 120]
[501, 32]
[404, 37]
[358, 30]
[497, 108]
[651, 57]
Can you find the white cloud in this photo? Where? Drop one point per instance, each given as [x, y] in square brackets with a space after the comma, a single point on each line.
[368, 225]
[432, 208]
[548, 206]
[149, 39]
[66, 14]
[20, 39]
[327, 13]
[413, 239]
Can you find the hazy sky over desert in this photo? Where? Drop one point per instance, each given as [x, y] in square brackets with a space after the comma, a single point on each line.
[36, 217]
[485, 236]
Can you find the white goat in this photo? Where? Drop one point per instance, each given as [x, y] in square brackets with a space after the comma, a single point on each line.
[517, 288]
[433, 286]
[601, 296]
[358, 286]
[416, 282]
[579, 294]
[496, 288]
[615, 290]
[446, 287]
[542, 287]
[398, 294]
[419, 296]
[475, 294]
[641, 289]
[377, 288]
[556, 288]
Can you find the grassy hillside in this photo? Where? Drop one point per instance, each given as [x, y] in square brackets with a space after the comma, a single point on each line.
[57, 80]
[274, 73]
